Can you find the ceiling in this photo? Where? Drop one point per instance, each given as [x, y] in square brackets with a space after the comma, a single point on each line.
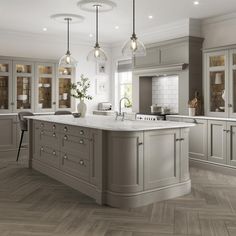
[31, 16]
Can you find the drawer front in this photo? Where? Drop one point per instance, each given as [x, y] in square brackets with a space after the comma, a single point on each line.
[49, 156]
[75, 165]
[76, 131]
[74, 145]
[49, 138]
[48, 126]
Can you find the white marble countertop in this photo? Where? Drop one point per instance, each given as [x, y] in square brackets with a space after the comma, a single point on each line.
[204, 117]
[109, 123]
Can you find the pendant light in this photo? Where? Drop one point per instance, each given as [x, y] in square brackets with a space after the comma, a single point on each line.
[67, 60]
[134, 47]
[97, 54]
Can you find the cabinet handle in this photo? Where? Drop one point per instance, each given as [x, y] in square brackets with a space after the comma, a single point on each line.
[81, 132]
[182, 139]
[140, 144]
[42, 133]
[42, 125]
[65, 137]
[54, 135]
[65, 129]
[81, 162]
[54, 127]
[54, 103]
[177, 140]
[54, 153]
[81, 141]
[65, 157]
[41, 149]
[225, 130]
[12, 103]
[230, 105]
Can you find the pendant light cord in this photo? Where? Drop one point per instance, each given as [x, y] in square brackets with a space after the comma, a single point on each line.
[97, 7]
[134, 18]
[68, 35]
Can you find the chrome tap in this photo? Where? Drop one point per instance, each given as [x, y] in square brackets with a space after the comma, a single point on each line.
[120, 113]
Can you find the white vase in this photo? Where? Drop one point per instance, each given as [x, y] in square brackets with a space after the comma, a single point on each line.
[82, 108]
[191, 111]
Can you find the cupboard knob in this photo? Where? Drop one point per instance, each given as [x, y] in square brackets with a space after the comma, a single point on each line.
[81, 132]
[54, 103]
[81, 141]
[65, 137]
[42, 133]
[65, 129]
[41, 149]
[54, 153]
[81, 162]
[42, 125]
[230, 105]
[54, 127]
[65, 157]
[54, 135]
[140, 144]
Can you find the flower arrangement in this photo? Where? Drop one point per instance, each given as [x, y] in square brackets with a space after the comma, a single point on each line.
[80, 89]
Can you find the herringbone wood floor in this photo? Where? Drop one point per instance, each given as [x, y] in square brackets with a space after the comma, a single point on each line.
[32, 204]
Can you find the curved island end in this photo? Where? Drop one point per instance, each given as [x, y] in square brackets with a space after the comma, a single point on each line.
[123, 164]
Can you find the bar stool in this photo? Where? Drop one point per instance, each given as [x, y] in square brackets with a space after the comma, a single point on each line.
[23, 127]
[62, 113]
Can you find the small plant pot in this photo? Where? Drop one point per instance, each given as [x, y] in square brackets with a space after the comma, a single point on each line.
[191, 111]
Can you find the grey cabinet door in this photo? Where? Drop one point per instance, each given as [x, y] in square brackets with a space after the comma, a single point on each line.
[125, 161]
[162, 154]
[198, 139]
[8, 134]
[231, 143]
[151, 59]
[217, 141]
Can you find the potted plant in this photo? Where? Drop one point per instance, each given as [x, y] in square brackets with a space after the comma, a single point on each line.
[79, 90]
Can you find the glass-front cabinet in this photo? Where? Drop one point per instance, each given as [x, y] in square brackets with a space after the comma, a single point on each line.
[23, 86]
[45, 80]
[64, 79]
[5, 86]
[217, 83]
[232, 86]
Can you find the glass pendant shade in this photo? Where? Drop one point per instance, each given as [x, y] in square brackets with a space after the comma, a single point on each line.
[134, 48]
[67, 61]
[97, 55]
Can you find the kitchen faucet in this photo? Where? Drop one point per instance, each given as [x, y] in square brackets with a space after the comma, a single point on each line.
[120, 113]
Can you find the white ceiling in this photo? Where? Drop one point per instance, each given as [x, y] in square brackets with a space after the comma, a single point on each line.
[32, 16]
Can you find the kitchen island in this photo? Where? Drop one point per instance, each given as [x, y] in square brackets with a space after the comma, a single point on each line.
[120, 163]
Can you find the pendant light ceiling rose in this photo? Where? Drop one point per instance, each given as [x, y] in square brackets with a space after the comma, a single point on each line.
[90, 5]
[61, 18]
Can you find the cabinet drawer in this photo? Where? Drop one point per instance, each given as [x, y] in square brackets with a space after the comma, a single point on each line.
[49, 138]
[48, 126]
[75, 165]
[74, 145]
[49, 156]
[76, 131]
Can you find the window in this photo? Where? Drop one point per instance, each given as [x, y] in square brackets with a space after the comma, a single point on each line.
[124, 82]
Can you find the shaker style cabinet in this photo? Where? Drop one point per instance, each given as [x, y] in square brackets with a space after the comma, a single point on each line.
[28, 85]
[5, 86]
[220, 83]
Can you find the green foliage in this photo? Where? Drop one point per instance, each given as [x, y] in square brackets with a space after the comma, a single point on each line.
[80, 89]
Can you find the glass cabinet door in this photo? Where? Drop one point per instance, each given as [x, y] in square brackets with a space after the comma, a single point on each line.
[64, 79]
[24, 85]
[5, 86]
[217, 83]
[232, 87]
[45, 94]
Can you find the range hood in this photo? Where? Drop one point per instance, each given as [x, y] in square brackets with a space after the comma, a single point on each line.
[157, 70]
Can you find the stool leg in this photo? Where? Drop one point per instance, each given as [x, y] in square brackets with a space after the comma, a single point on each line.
[21, 139]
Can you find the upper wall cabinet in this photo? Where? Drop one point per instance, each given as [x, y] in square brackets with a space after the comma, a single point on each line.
[220, 82]
[34, 86]
[5, 86]
[165, 53]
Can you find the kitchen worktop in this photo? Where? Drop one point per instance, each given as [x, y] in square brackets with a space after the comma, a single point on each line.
[204, 117]
[110, 124]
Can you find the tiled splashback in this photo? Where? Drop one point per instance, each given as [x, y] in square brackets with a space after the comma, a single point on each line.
[165, 92]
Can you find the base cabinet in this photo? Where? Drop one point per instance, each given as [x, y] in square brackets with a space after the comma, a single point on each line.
[161, 149]
[231, 143]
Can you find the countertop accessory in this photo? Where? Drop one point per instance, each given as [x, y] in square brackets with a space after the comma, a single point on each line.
[134, 47]
[218, 78]
[104, 106]
[76, 115]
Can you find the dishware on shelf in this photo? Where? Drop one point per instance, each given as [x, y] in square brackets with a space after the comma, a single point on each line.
[65, 96]
[40, 105]
[40, 85]
[22, 97]
[218, 78]
[47, 85]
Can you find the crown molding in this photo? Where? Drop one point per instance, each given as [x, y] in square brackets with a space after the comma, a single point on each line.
[218, 19]
[178, 29]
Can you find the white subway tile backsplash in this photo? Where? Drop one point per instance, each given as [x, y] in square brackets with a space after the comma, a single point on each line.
[165, 92]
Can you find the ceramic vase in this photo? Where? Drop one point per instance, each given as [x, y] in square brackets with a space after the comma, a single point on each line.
[191, 111]
[82, 108]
